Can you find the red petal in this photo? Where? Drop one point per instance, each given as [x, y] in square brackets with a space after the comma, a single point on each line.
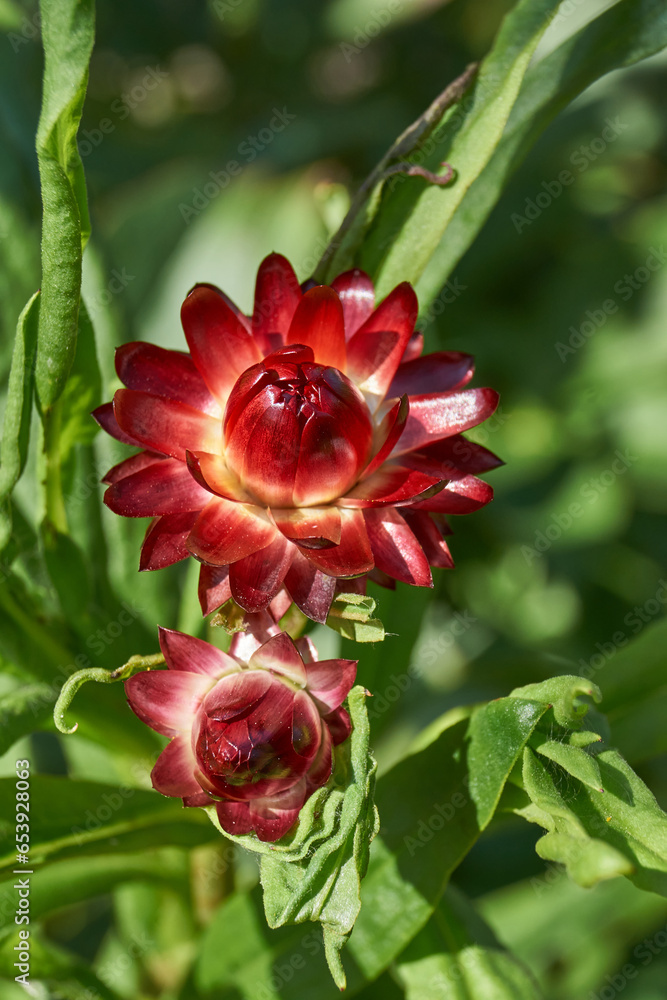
[320, 770]
[451, 457]
[256, 579]
[281, 656]
[164, 373]
[441, 371]
[214, 475]
[164, 487]
[221, 346]
[306, 726]
[413, 348]
[234, 817]
[460, 496]
[435, 547]
[235, 693]
[391, 484]
[375, 351]
[105, 417]
[339, 725]
[277, 294]
[395, 549]
[311, 590]
[388, 434]
[439, 416]
[135, 463]
[185, 652]
[165, 540]
[328, 461]
[167, 700]
[280, 604]
[273, 815]
[318, 323]
[226, 531]
[353, 556]
[164, 425]
[311, 527]
[174, 771]
[329, 682]
[214, 587]
[357, 295]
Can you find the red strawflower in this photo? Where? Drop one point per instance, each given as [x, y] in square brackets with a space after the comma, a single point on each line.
[303, 445]
[252, 730]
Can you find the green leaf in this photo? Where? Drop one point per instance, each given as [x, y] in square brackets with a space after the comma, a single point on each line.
[315, 874]
[620, 831]
[72, 818]
[412, 217]
[457, 955]
[562, 694]
[16, 427]
[572, 759]
[68, 33]
[429, 823]
[498, 733]
[350, 615]
[587, 858]
[628, 32]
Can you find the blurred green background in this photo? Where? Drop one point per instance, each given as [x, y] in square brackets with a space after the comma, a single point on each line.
[561, 300]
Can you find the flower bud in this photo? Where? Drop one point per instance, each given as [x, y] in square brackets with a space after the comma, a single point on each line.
[253, 738]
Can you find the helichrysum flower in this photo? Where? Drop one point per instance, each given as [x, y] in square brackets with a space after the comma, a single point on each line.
[306, 444]
[252, 731]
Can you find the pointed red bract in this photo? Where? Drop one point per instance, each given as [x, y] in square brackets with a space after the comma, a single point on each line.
[164, 373]
[319, 324]
[164, 425]
[357, 296]
[165, 541]
[221, 345]
[277, 294]
[395, 548]
[164, 487]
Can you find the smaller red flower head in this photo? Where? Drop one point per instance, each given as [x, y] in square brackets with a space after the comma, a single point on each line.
[299, 447]
[251, 731]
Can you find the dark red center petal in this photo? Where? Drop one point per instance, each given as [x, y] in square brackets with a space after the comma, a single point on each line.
[296, 433]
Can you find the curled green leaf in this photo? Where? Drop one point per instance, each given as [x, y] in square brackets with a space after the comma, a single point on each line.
[77, 680]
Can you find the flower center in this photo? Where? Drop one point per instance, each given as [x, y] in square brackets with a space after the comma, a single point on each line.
[295, 432]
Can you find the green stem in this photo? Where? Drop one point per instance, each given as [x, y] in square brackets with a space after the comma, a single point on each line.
[53, 490]
[133, 666]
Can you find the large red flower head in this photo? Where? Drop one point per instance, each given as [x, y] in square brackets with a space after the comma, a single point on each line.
[304, 445]
[252, 731]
